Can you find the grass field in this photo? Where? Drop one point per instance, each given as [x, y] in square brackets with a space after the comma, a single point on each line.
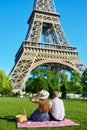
[76, 110]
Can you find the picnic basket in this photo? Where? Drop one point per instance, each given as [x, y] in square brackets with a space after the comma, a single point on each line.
[22, 117]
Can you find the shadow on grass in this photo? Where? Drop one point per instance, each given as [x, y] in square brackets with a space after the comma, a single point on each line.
[8, 118]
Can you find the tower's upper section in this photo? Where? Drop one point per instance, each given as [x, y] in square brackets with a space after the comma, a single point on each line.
[44, 5]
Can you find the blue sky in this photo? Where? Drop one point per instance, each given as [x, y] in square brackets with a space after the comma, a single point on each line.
[13, 27]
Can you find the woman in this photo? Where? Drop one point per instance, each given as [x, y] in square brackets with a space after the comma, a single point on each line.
[42, 112]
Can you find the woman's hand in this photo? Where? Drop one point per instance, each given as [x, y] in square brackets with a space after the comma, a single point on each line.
[34, 99]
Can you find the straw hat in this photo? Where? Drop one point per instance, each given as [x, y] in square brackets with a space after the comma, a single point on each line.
[43, 94]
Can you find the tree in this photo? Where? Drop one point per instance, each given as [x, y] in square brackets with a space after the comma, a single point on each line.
[37, 81]
[84, 82]
[34, 85]
[42, 78]
[75, 83]
[5, 86]
[63, 79]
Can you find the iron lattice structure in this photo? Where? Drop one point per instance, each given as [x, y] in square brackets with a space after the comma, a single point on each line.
[45, 43]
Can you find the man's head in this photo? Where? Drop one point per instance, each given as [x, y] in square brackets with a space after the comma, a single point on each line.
[55, 94]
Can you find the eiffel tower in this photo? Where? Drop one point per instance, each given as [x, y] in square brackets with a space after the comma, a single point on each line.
[45, 44]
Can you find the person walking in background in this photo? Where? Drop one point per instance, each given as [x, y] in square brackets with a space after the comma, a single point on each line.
[42, 112]
[57, 111]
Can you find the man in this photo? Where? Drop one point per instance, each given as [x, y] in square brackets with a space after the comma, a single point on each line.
[57, 112]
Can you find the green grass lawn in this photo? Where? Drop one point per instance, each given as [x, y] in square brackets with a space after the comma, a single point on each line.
[76, 110]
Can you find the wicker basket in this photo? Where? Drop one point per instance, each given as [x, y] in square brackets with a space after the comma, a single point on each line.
[21, 118]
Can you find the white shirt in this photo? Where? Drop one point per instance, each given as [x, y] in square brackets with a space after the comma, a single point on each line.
[58, 111]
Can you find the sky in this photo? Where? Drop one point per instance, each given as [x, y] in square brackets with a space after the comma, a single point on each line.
[14, 15]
